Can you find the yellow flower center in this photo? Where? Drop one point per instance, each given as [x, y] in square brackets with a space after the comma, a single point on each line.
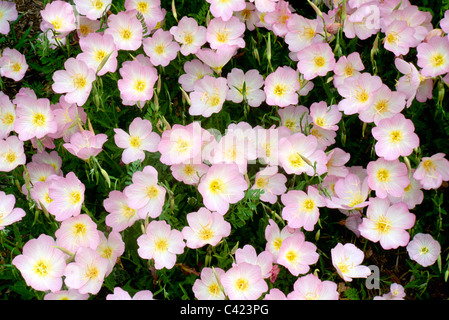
[383, 225]
[280, 90]
[91, 272]
[222, 36]
[97, 4]
[291, 256]
[349, 70]
[396, 136]
[214, 289]
[152, 192]
[9, 157]
[7, 119]
[392, 37]
[383, 175]
[16, 67]
[320, 121]
[42, 268]
[57, 23]
[189, 170]
[362, 96]
[308, 205]
[188, 38]
[100, 55]
[182, 145]
[381, 106]
[38, 119]
[261, 182]
[126, 34]
[296, 160]
[344, 266]
[128, 212]
[437, 60]
[241, 284]
[206, 233]
[140, 85]
[355, 200]
[135, 142]
[428, 165]
[75, 197]
[159, 49]
[79, 229]
[216, 186]
[142, 7]
[106, 252]
[79, 81]
[319, 61]
[161, 245]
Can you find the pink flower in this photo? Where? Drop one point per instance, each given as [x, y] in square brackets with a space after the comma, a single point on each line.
[208, 96]
[281, 87]
[161, 243]
[432, 171]
[34, 118]
[413, 195]
[347, 66]
[126, 30]
[69, 117]
[67, 195]
[410, 82]
[399, 37]
[41, 264]
[350, 193]
[87, 272]
[205, 227]
[316, 60]
[9, 214]
[271, 182]
[301, 208]
[8, 13]
[295, 118]
[278, 18]
[12, 153]
[59, 17]
[245, 87]
[87, 26]
[297, 255]
[387, 177]
[358, 92]
[387, 223]
[222, 185]
[144, 194]
[140, 139]
[150, 10]
[71, 294]
[161, 48]
[13, 64]
[195, 70]
[77, 232]
[230, 32]
[248, 254]
[75, 81]
[302, 32]
[120, 216]
[433, 57]
[395, 137]
[268, 142]
[424, 249]
[138, 79]
[110, 248]
[324, 116]
[396, 293]
[310, 287]
[244, 282]
[346, 259]
[92, 9]
[275, 237]
[207, 287]
[298, 154]
[86, 144]
[95, 49]
[336, 160]
[120, 294]
[265, 5]
[7, 116]
[363, 22]
[189, 34]
[225, 9]
[189, 173]
[217, 59]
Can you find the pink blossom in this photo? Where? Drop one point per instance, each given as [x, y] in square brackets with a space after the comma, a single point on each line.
[310, 287]
[347, 66]
[316, 60]
[396, 293]
[140, 139]
[150, 10]
[387, 223]
[347, 260]
[161, 243]
[86, 144]
[75, 81]
[424, 249]
[410, 82]
[51, 158]
[205, 227]
[110, 248]
[120, 215]
[70, 294]
[278, 18]
[302, 32]
[207, 287]
[230, 32]
[244, 282]
[225, 9]
[7, 116]
[275, 294]
[297, 255]
[120, 294]
[95, 49]
[8, 213]
[161, 48]
[8, 13]
[189, 172]
[432, 57]
[59, 17]
[208, 96]
[281, 87]
[217, 59]
[69, 117]
[87, 272]
[271, 182]
[245, 86]
[336, 160]
[189, 34]
[12, 153]
[395, 137]
[432, 171]
[248, 15]
[41, 264]
[195, 70]
[350, 193]
[413, 195]
[324, 116]
[387, 177]
[363, 22]
[268, 142]
[92, 9]
[275, 237]
[295, 118]
[265, 5]
[13, 64]
[399, 37]
[222, 185]
[126, 30]
[77, 232]
[87, 26]
[248, 254]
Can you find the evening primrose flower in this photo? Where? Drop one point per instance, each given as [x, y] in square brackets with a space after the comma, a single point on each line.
[217, 59]
[424, 249]
[230, 32]
[75, 81]
[295, 118]
[326, 117]
[208, 287]
[59, 17]
[387, 224]
[140, 139]
[350, 193]
[387, 177]
[297, 255]
[275, 236]
[111, 248]
[316, 60]
[161, 243]
[302, 32]
[126, 30]
[189, 172]
[281, 87]
[161, 48]
[13, 64]
[86, 144]
[347, 260]
[92, 9]
[268, 142]
[8, 213]
[413, 194]
[398, 37]
[67, 194]
[395, 137]
[347, 66]
[433, 56]
[87, 26]
[205, 227]
[95, 49]
[87, 272]
[208, 96]
[222, 185]
[271, 182]
[12, 153]
[120, 215]
[244, 282]
[7, 116]
[194, 70]
[144, 194]
[70, 294]
[249, 254]
[310, 287]
[432, 171]
[150, 10]
[245, 86]
[120, 294]
[225, 9]
[189, 35]
[76, 232]
[41, 264]
[8, 13]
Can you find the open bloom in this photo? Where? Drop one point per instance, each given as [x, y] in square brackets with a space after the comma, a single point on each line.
[70, 294]
[8, 13]
[120, 294]
[86, 144]
[12, 153]
[399, 37]
[208, 96]
[302, 32]
[150, 10]
[77, 232]
[424, 249]
[347, 260]
[324, 116]
[276, 236]
[111, 248]
[140, 139]
[144, 194]
[387, 223]
[189, 35]
[225, 9]
[432, 171]
[350, 193]
[92, 9]
[249, 254]
[395, 137]
[161, 243]
[245, 87]
[126, 30]
[310, 287]
[161, 48]
[297, 255]
[347, 66]
[120, 216]
[244, 282]
[387, 177]
[207, 287]
[189, 172]
[301, 208]
[59, 17]
[195, 69]
[205, 227]
[75, 81]
[230, 32]
[95, 49]
[217, 59]
[9, 214]
[7, 116]
[222, 185]
[87, 272]
[13, 64]
[41, 264]
[433, 56]
[281, 87]
[271, 182]
[316, 60]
